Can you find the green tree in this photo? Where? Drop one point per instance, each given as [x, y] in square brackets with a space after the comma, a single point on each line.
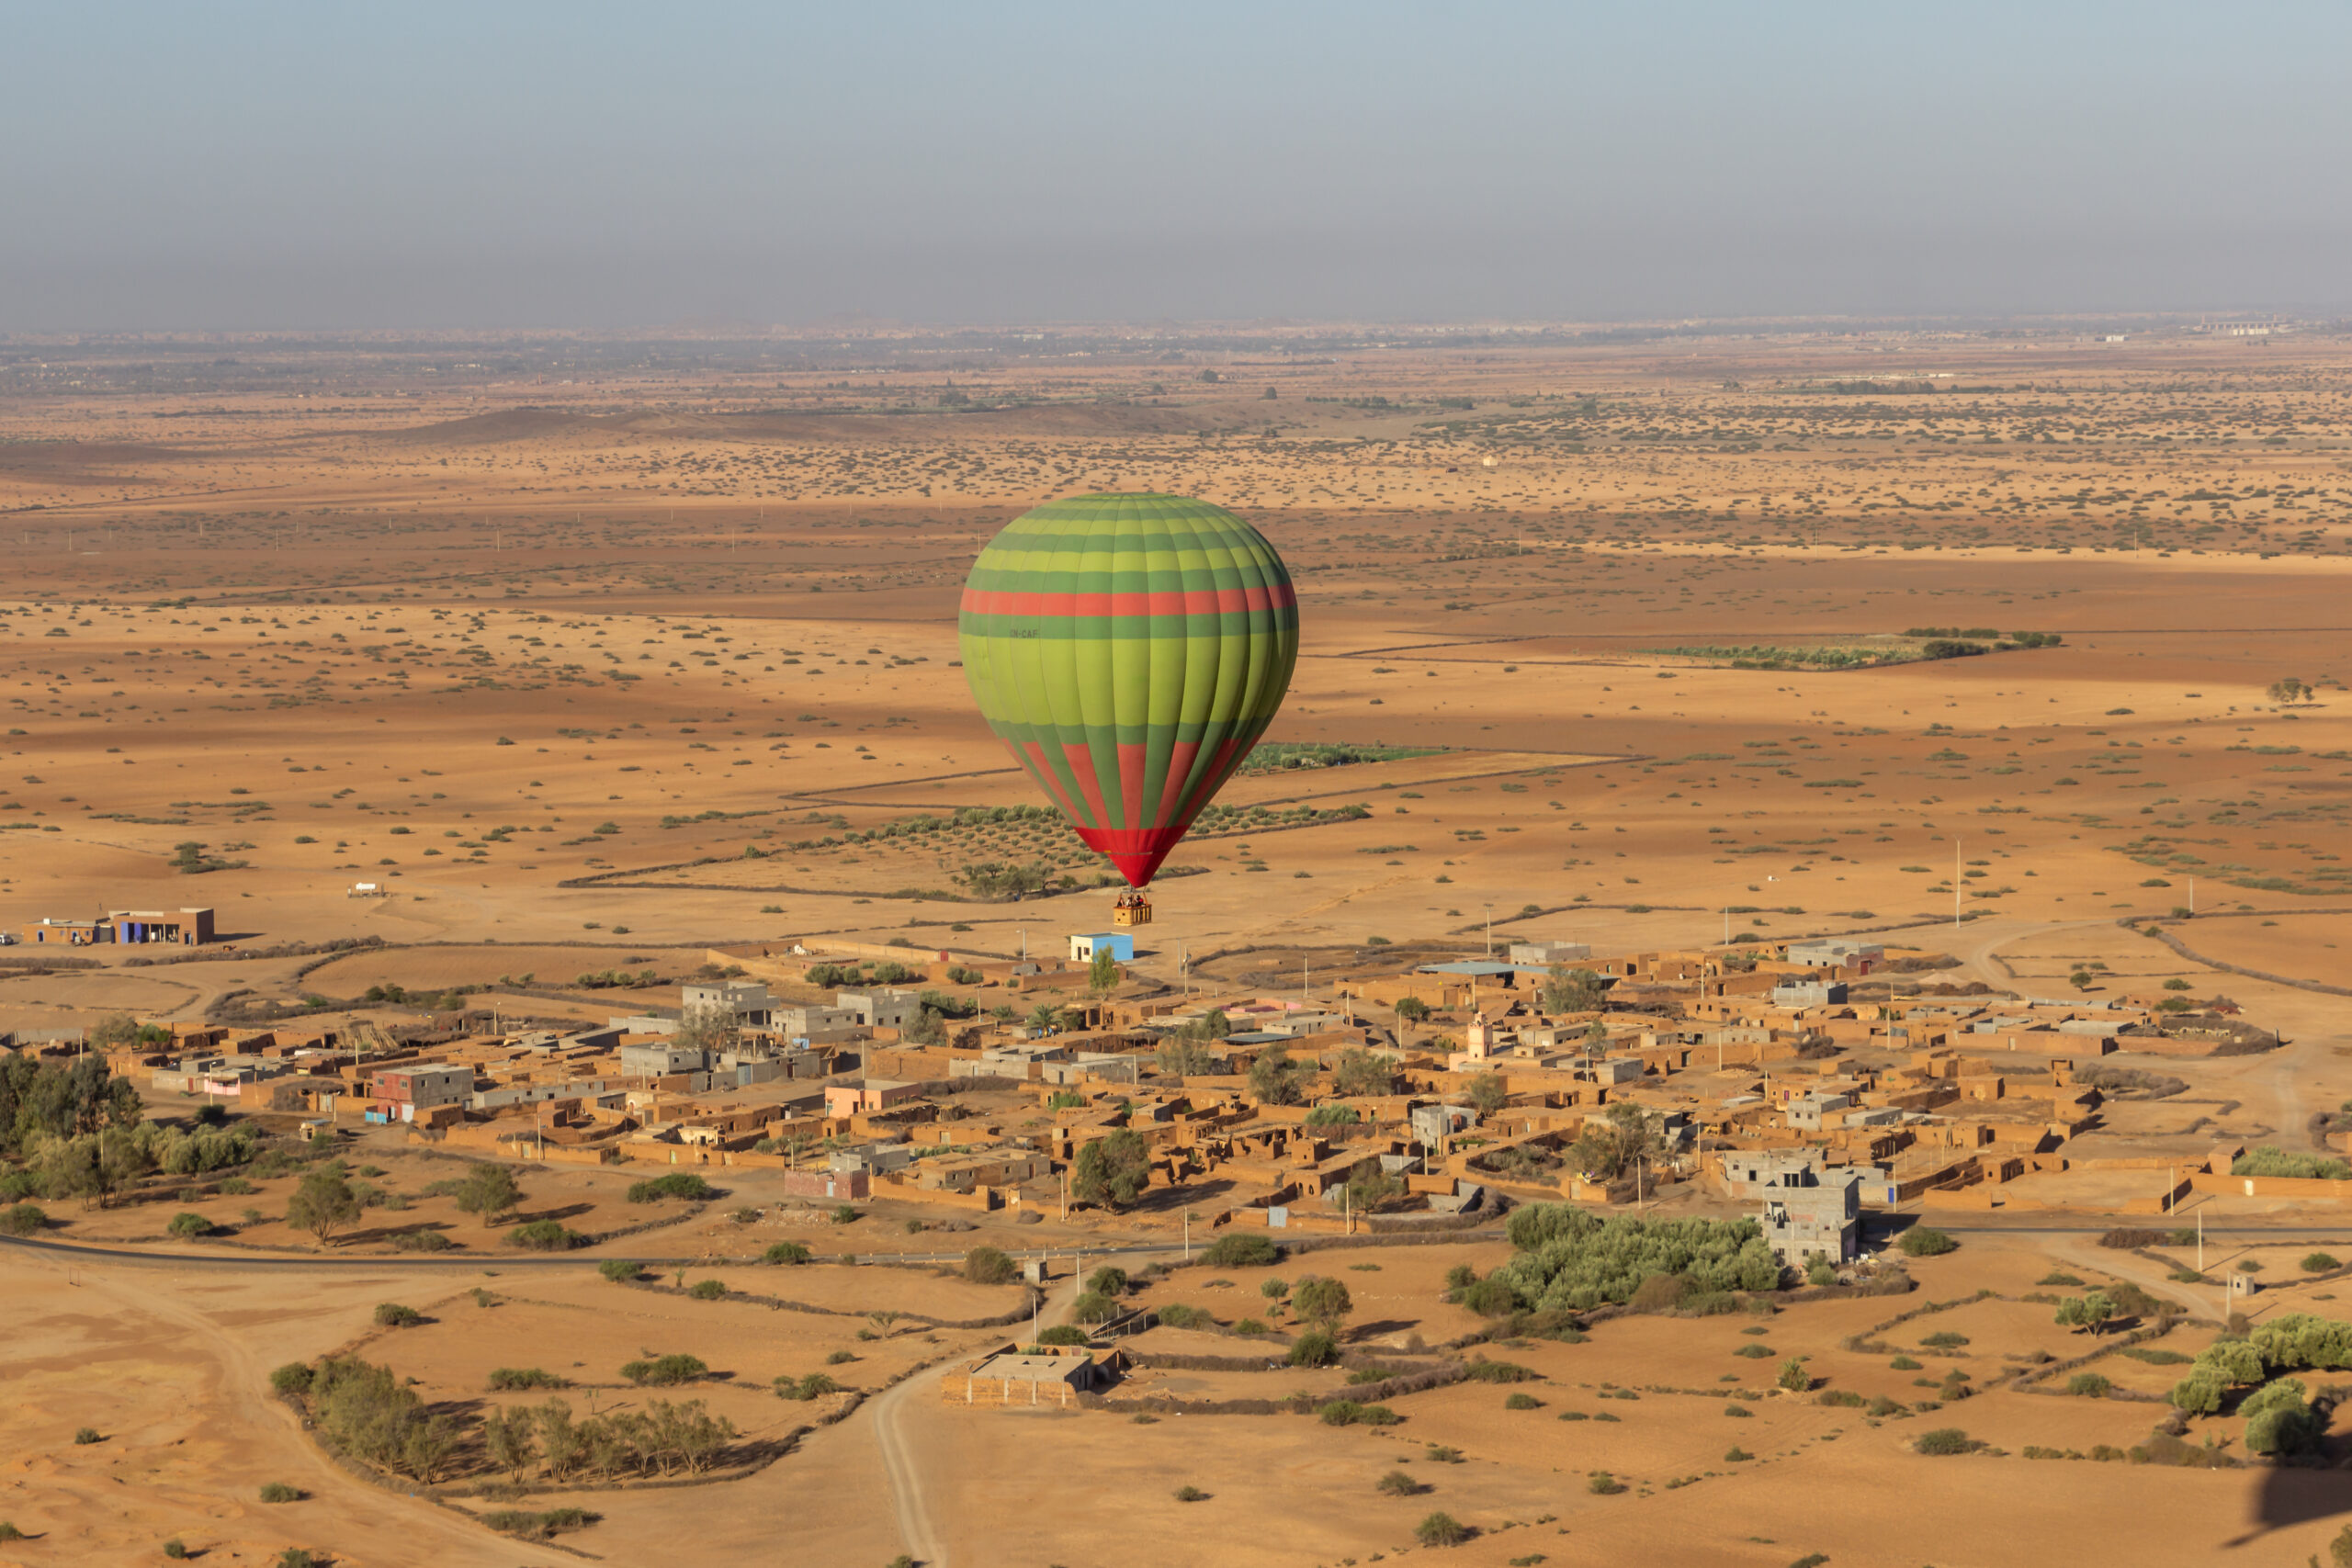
[988, 1266]
[1111, 1170]
[1362, 1072]
[322, 1205]
[1609, 1147]
[1183, 1057]
[1044, 1019]
[1412, 1009]
[2086, 1312]
[708, 1028]
[1276, 1079]
[1572, 990]
[1321, 1300]
[488, 1189]
[1102, 975]
[1488, 1093]
[509, 1437]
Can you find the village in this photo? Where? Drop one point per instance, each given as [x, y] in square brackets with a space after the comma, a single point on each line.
[1813, 1084]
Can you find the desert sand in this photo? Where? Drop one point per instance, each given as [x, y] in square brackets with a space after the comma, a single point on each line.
[591, 661]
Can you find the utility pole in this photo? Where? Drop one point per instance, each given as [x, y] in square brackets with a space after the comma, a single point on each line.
[1956, 853]
[1490, 930]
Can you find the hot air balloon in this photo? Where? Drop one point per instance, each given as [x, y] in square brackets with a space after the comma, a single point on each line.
[1130, 650]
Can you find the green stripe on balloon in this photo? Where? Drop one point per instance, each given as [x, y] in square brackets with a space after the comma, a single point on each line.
[1131, 716]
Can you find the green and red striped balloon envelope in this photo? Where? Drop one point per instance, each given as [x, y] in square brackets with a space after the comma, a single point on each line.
[1130, 650]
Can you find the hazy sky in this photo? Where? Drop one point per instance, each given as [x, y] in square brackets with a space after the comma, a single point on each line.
[416, 164]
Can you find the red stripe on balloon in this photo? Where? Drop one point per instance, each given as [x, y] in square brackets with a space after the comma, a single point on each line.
[1164, 601]
[1131, 760]
[1136, 851]
[1080, 758]
[1043, 770]
[1171, 788]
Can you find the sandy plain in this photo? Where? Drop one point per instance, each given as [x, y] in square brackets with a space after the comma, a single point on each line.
[524, 630]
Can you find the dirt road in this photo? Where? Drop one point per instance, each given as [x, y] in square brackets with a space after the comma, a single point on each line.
[906, 1404]
[240, 1343]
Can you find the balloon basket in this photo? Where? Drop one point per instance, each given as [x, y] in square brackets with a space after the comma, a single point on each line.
[1132, 909]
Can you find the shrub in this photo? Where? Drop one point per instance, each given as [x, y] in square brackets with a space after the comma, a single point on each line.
[1925, 1241]
[1945, 1440]
[1396, 1484]
[1176, 1314]
[1347, 1413]
[175, 1548]
[1316, 1347]
[1190, 1494]
[662, 1371]
[1522, 1402]
[1440, 1530]
[523, 1522]
[186, 1225]
[1570, 1260]
[843, 1214]
[545, 1235]
[1488, 1297]
[10, 1531]
[1904, 1364]
[1601, 1484]
[23, 1219]
[296, 1557]
[839, 1358]
[1740, 1412]
[2089, 1385]
[392, 1315]
[1093, 1306]
[1241, 1249]
[2319, 1263]
[1736, 1455]
[279, 1492]
[1484, 1370]
[989, 1266]
[1660, 1292]
[785, 1252]
[708, 1290]
[506, 1378]
[2269, 1159]
[416, 1241]
[677, 1184]
[1793, 1377]
[620, 1269]
[1063, 1334]
[1755, 1351]
[85, 1436]
[809, 1387]
[294, 1377]
[1943, 1340]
